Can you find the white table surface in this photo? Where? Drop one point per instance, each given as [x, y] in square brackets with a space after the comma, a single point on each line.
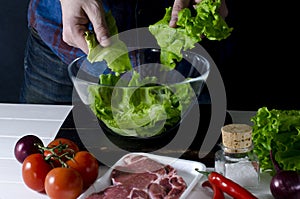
[44, 121]
[17, 120]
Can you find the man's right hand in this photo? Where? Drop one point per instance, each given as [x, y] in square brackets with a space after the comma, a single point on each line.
[76, 16]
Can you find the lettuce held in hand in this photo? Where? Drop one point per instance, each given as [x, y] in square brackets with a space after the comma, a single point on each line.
[129, 106]
[190, 28]
[115, 55]
[135, 108]
[279, 131]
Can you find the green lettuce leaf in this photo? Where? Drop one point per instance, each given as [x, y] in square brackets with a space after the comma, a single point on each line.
[190, 29]
[115, 55]
[279, 131]
[129, 106]
[132, 108]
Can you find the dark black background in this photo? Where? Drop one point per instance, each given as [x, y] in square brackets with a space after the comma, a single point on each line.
[258, 62]
[13, 33]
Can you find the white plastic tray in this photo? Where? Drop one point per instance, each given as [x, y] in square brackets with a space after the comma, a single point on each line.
[185, 168]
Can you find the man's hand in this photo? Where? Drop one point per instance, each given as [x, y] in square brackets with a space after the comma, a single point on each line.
[181, 4]
[76, 15]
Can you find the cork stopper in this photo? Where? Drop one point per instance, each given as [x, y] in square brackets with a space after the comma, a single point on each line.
[237, 138]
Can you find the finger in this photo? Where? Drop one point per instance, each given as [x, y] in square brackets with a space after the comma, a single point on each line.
[73, 35]
[102, 35]
[177, 6]
[95, 13]
[74, 25]
[80, 39]
[223, 9]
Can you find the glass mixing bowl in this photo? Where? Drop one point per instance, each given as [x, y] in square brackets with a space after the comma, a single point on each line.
[145, 102]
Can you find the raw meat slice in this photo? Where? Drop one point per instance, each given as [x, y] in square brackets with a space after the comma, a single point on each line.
[111, 192]
[140, 177]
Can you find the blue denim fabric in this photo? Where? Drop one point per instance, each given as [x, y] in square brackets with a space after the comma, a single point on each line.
[131, 14]
[46, 79]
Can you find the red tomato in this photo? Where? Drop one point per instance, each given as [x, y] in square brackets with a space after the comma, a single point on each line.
[87, 165]
[60, 146]
[62, 183]
[34, 171]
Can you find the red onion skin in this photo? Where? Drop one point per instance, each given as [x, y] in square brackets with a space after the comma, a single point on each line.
[285, 185]
[25, 146]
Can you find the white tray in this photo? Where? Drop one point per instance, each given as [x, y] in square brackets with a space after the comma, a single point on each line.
[185, 168]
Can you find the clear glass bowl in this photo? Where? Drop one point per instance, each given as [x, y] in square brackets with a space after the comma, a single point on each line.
[151, 105]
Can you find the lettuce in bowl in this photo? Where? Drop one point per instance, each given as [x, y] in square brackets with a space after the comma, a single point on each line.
[139, 108]
[144, 106]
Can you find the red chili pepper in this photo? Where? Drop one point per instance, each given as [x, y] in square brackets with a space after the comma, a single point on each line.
[218, 193]
[228, 186]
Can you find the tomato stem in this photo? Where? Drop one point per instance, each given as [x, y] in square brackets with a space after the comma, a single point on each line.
[54, 155]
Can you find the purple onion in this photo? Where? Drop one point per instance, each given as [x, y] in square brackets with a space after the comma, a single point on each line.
[284, 184]
[26, 146]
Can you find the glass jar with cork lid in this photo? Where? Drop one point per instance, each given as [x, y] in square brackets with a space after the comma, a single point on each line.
[236, 159]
